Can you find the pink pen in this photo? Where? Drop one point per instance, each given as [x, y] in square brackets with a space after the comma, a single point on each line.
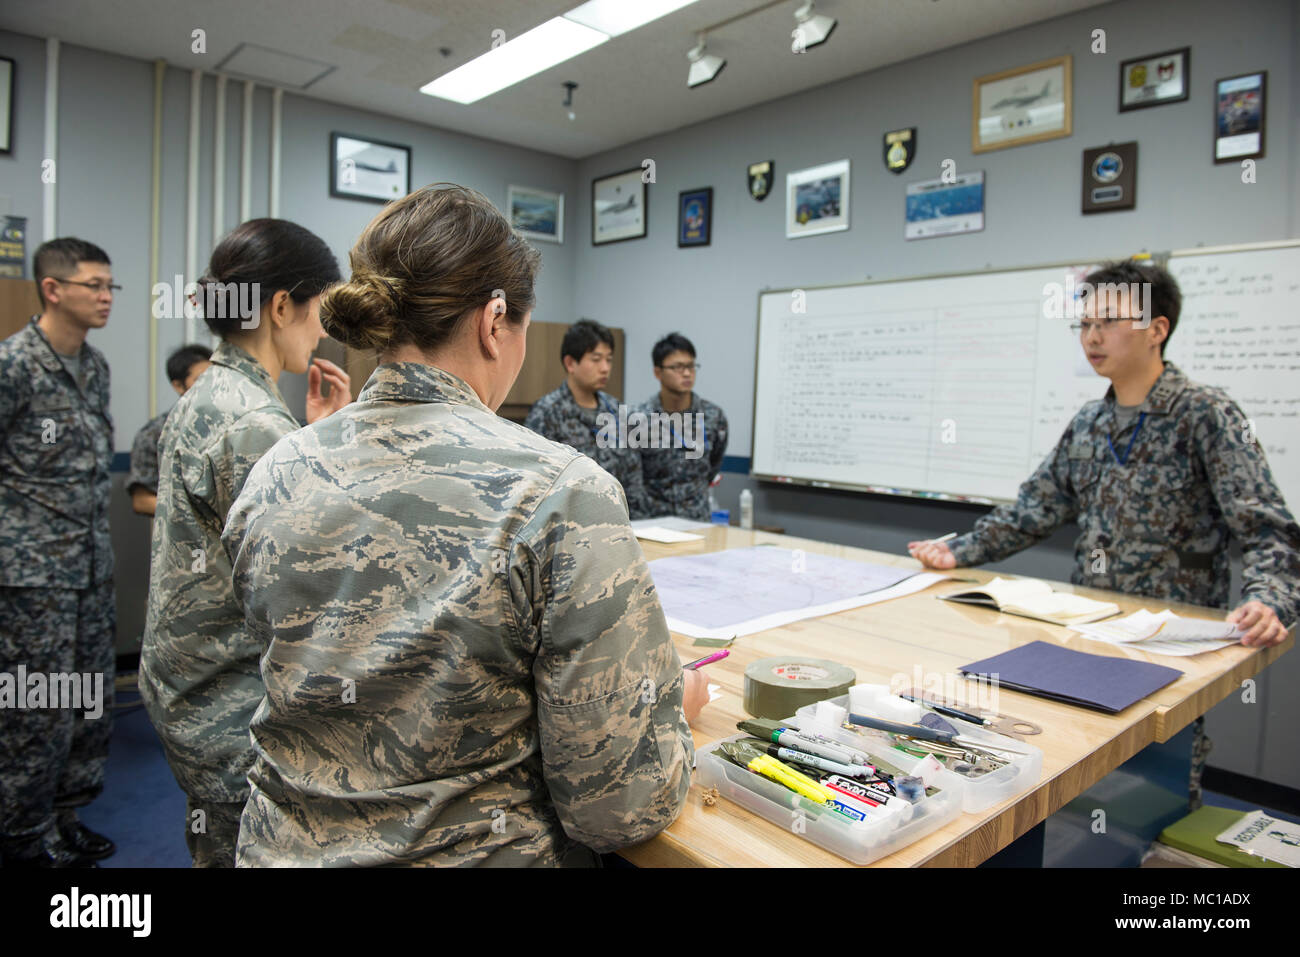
[707, 660]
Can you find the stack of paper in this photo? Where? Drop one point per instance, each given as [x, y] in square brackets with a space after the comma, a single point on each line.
[1164, 633]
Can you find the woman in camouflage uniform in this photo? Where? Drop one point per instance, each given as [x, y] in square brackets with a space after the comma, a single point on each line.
[198, 667]
[466, 661]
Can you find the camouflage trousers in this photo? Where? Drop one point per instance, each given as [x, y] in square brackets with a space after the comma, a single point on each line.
[211, 832]
[50, 756]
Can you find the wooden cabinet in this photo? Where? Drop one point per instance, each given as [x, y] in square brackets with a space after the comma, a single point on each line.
[542, 370]
[18, 303]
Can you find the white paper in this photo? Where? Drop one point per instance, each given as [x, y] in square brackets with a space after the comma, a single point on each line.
[1164, 633]
[668, 536]
[1266, 836]
[673, 522]
[742, 591]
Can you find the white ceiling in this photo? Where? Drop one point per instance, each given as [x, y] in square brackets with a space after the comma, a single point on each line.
[633, 86]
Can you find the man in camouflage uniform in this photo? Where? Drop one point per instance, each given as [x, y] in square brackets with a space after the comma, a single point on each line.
[199, 675]
[57, 612]
[578, 411]
[183, 366]
[677, 476]
[1160, 474]
[465, 658]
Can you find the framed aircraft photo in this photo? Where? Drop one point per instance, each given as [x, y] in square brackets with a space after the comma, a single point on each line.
[369, 170]
[1025, 105]
[618, 207]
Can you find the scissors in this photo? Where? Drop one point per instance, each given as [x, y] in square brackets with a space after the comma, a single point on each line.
[1001, 723]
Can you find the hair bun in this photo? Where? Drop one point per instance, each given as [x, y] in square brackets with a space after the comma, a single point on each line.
[362, 312]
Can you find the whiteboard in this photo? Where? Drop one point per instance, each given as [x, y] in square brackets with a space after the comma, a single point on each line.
[957, 387]
[1240, 331]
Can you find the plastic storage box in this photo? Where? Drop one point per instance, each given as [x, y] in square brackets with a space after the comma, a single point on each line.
[978, 794]
[858, 841]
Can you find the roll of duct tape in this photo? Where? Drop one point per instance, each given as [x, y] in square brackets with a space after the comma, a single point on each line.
[778, 687]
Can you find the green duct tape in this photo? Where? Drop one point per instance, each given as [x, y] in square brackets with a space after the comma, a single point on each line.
[778, 687]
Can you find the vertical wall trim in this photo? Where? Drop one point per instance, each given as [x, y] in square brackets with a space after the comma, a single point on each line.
[49, 191]
[192, 194]
[155, 227]
[246, 158]
[277, 108]
[219, 163]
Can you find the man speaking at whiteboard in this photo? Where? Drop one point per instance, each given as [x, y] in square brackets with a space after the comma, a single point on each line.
[1159, 474]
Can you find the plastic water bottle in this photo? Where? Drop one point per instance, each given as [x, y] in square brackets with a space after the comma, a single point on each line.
[746, 509]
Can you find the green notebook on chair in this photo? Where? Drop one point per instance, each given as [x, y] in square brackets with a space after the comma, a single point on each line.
[1196, 834]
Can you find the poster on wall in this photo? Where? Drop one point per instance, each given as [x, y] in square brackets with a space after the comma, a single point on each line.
[817, 200]
[1154, 80]
[1239, 117]
[1028, 104]
[13, 247]
[536, 213]
[618, 209]
[936, 207]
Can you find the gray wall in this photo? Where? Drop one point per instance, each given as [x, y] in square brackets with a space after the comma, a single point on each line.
[1033, 216]
[104, 164]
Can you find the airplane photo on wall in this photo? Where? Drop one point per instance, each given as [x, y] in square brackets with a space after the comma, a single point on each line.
[1024, 105]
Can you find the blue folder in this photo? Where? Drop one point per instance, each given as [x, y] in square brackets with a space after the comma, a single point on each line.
[1089, 681]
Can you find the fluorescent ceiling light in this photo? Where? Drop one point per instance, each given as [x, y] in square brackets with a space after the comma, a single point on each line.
[616, 17]
[530, 53]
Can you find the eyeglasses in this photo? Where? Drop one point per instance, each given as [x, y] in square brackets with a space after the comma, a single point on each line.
[98, 288]
[1104, 325]
[682, 367]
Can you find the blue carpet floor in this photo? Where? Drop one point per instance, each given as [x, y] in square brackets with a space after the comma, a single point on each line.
[142, 809]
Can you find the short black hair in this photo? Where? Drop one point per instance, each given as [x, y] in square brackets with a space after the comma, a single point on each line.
[183, 359]
[583, 336]
[274, 254]
[1164, 297]
[59, 258]
[673, 342]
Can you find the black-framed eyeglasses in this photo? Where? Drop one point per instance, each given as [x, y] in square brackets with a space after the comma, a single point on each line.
[1102, 324]
[96, 287]
[682, 367]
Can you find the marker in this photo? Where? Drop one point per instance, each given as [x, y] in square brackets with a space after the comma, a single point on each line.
[821, 764]
[707, 660]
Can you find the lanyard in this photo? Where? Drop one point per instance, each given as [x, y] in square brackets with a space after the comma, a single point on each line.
[1133, 438]
[682, 442]
[600, 404]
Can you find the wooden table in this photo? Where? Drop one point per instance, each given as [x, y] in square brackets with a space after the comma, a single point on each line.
[918, 632]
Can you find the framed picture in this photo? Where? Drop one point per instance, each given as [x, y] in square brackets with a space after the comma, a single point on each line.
[935, 208]
[1154, 80]
[817, 200]
[1025, 105]
[1239, 117]
[536, 213]
[370, 170]
[7, 71]
[618, 207]
[695, 217]
[1110, 177]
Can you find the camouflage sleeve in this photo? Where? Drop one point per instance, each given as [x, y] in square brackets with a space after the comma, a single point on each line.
[1255, 511]
[718, 450]
[616, 749]
[13, 393]
[639, 503]
[144, 462]
[1044, 503]
[227, 464]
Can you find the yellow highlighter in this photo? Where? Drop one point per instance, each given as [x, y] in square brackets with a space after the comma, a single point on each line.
[754, 760]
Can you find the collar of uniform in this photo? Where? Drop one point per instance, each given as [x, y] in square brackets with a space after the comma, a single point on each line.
[418, 382]
[604, 402]
[48, 357]
[1162, 395]
[230, 355]
[656, 403]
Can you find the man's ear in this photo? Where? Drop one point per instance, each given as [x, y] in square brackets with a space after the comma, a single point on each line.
[50, 287]
[570, 364]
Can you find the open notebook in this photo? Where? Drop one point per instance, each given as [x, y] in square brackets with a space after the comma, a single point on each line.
[1032, 598]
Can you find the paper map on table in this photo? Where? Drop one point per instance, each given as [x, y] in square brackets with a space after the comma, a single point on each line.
[746, 590]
